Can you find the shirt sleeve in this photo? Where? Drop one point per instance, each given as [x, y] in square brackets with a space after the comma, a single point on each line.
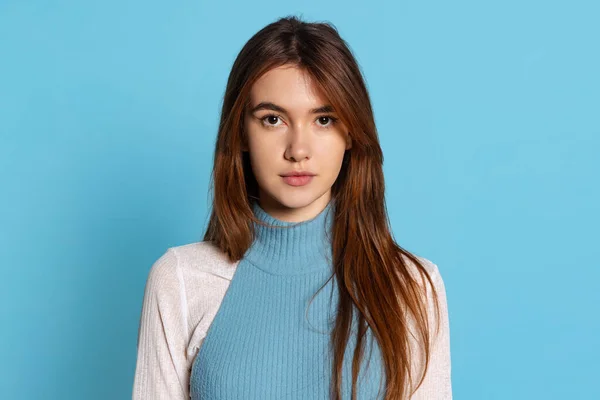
[437, 383]
[162, 370]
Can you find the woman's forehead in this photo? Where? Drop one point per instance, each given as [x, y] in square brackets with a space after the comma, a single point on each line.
[289, 87]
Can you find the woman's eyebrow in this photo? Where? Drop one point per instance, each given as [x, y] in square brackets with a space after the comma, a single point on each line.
[266, 105]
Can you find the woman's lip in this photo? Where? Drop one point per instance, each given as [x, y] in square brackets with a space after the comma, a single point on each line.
[298, 180]
[300, 173]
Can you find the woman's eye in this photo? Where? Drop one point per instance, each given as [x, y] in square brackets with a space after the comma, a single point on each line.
[333, 120]
[272, 119]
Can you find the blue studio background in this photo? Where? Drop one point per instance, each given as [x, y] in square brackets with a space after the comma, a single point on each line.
[487, 113]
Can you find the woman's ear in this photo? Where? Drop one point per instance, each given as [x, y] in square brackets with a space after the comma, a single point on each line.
[348, 141]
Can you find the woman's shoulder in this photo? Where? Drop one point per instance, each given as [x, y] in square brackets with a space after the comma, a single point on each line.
[430, 267]
[189, 269]
[203, 257]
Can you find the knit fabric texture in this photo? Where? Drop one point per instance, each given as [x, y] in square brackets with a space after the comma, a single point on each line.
[213, 329]
[267, 340]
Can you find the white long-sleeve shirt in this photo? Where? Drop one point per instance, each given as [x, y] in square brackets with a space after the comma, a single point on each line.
[184, 290]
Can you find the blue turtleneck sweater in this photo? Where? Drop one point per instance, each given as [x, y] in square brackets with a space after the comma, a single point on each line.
[266, 341]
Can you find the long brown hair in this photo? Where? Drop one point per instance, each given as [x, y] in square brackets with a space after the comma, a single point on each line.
[373, 272]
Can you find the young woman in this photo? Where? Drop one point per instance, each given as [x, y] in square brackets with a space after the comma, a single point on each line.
[298, 289]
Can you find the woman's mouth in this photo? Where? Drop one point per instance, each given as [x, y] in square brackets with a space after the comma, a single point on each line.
[297, 180]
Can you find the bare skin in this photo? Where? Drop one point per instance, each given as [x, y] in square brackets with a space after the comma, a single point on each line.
[293, 139]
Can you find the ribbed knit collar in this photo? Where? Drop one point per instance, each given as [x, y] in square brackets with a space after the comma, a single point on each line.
[298, 248]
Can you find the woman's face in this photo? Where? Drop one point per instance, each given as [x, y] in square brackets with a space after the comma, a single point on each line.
[287, 133]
